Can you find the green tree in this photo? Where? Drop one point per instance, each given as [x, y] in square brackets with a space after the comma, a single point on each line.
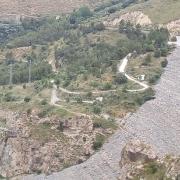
[96, 109]
[27, 99]
[84, 12]
[164, 63]
[157, 53]
[164, 51]
[79, 99]
[147, 60]
[120, 78]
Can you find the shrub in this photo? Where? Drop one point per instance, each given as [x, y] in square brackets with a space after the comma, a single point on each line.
[42, 114]
[104, 123]
[66, 83]
[61, 126]
[29, 111]
[67, 99]
[89, 94]
[174, 39]
[24, 86]
[147, 60]
[79, 99]
[157, 53]
[139, 100]
[164, 52]
[94, 84]
[84, 12]
[96, 109]
[97, 144]
[72, 19]
[107, 86]
[97, 125]
[164, 63]
[149, 48]
[8, 97]
[99, 27]
[112, 10]
[147, 96]
[10, 87]
[120, 78]
[152, 168]
[127, 3]
[27, 99]
[84, 139]
[44, 102]
[154, 78]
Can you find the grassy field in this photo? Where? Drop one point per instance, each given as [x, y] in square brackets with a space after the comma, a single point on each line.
[159, 11]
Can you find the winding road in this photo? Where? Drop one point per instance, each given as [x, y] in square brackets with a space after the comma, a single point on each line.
[121, 69]
[54, 102]
[157, 123]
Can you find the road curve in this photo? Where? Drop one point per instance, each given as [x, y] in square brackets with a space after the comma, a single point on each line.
[122, 69]
[54, 102]
[157, 122]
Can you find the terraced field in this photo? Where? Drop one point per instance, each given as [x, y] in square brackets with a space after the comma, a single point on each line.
[157, 123]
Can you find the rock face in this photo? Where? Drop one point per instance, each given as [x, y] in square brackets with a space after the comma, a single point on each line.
[174, 27]
[156, 123]
[31, 145]
[136, 151]
[136, 17]
[138, 160]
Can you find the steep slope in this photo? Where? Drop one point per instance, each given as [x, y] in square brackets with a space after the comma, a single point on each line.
[10, 8]
[156, 123]
[159, 11]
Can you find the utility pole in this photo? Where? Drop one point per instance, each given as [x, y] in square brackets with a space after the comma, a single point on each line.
[10, 60]
[10, 73]
[30, 62]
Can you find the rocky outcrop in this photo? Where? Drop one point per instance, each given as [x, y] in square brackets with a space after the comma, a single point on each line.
[29, 144]
[137, 151]
[138, 160]
[174, 27]
[136, 17]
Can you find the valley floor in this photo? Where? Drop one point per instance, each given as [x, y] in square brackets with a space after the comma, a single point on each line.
[156, 122]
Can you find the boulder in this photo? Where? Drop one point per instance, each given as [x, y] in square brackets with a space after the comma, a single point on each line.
[137, 151]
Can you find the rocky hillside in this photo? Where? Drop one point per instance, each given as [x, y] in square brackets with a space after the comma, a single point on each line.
[159, 11]
[29, 144]
[139, 161]
[9, 9]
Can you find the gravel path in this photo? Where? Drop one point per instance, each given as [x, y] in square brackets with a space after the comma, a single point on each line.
[54, 98]
[157, 122]
[122, 69]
